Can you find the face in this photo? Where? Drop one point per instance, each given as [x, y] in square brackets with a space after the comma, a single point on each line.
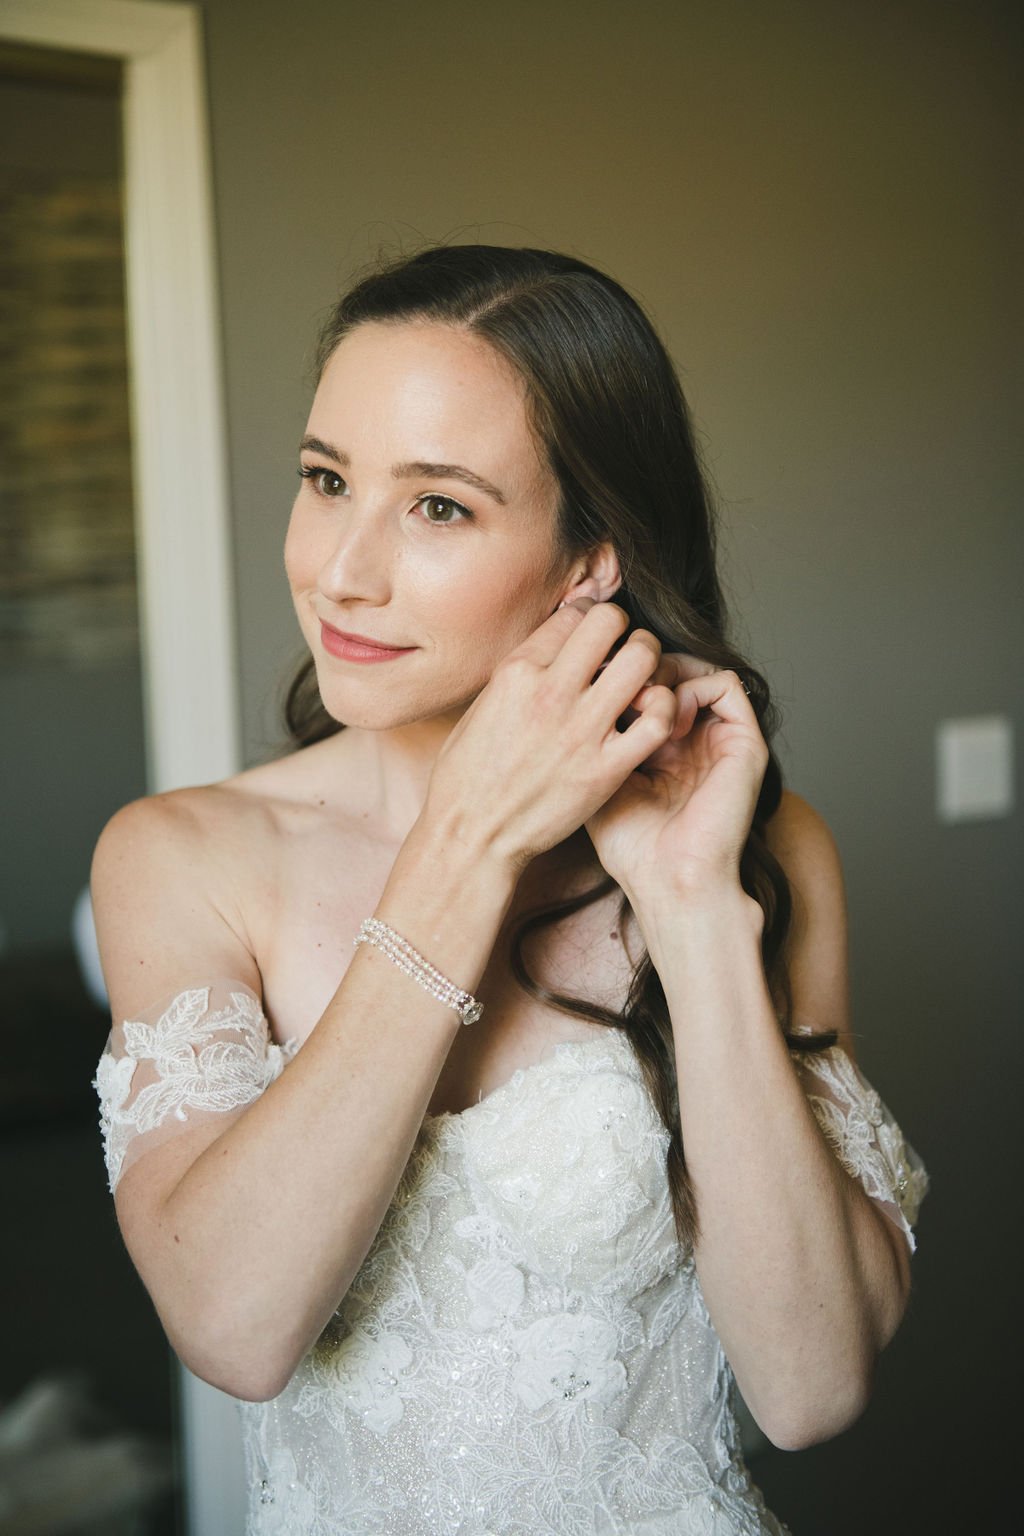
[388, 540]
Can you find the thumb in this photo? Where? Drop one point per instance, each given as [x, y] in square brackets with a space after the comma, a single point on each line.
[582, 603]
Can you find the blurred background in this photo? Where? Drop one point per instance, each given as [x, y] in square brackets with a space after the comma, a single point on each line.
[819, 204]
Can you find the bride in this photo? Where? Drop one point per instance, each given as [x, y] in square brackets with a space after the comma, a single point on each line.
[480, 1105]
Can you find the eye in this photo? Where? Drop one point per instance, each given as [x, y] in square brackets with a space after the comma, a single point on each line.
[446, 504]
[325, 481]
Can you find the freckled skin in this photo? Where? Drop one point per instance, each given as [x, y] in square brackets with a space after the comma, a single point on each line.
[369, 560]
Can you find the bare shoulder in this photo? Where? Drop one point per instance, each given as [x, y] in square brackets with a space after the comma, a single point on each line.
[164, 826]
[800, 834]
[187, 885]
[194, 830]
[164, 883]
[817, 945]
[206, 828]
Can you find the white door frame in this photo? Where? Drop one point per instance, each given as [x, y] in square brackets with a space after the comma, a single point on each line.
[182, 514]
[186, 601]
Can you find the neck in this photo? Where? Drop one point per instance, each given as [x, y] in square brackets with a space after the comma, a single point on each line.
[397, 767]
[393, 771]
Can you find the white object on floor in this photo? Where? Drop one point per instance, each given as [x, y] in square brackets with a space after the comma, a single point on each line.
[65, 1471]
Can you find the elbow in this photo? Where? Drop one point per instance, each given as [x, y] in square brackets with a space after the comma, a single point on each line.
[251, 1385]
[223, 1365]
[814, 1421]
[253, 1390]
[800, 1433]
[805, 1416]
[218, 1340]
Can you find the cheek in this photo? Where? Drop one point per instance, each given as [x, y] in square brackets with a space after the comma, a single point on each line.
[299, 550]
[488, 612]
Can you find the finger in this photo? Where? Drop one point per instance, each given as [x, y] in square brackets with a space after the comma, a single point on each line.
[587, 643]
[674, 668]
[549, 641]
[649, 731]
[678, 667]
[722, 692]
[631, 668]
[686, 713]
[687, 710]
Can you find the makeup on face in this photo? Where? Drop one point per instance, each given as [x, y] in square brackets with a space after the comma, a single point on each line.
[416, 404]
[352, 648]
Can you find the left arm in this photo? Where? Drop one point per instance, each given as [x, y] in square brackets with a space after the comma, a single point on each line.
[805, 1279]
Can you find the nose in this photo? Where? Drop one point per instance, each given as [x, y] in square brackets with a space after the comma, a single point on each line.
[359, 565]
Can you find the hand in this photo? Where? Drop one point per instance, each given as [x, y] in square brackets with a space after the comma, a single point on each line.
[681, 820]
[537, 751]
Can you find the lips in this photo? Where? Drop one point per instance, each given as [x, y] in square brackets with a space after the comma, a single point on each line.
[367, 640]
[359, 648]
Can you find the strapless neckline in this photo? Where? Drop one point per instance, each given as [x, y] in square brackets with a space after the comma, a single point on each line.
[612, 1036]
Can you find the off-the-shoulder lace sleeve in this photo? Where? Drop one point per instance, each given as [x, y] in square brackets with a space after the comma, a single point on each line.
[204, 1052]
[864, 1135]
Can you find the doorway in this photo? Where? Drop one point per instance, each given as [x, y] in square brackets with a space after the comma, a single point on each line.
[90, 1382]
[174, 698]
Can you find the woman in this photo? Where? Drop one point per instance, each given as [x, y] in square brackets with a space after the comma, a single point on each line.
[464, 1279]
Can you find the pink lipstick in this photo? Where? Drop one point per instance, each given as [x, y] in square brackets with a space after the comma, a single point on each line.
[358, 647]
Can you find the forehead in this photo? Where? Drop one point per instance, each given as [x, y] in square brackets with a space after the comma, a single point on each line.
[419, 391]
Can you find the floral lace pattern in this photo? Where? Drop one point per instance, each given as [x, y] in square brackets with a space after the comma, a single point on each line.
[199, 1058]
[525, 1350]
[865, 1137]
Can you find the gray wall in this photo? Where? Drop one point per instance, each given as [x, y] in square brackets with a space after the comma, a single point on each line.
[816, 201]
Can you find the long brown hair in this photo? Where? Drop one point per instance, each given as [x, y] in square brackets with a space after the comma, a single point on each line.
[607, 409]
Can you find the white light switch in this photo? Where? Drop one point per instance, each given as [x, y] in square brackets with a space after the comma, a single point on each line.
[974, 768]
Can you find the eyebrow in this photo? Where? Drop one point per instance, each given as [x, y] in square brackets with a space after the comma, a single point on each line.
[414, 468]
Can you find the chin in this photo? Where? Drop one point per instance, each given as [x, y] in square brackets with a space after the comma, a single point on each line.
[386, 709]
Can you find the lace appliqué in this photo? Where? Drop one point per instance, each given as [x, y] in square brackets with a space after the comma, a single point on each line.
[207, 1061]
[525, 1348]
[865, 1137]
[568, 1355]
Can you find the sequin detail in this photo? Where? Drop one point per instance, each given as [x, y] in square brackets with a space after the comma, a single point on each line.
[525, 1350]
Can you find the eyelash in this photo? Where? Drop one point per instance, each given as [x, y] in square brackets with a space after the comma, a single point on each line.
[313, 473]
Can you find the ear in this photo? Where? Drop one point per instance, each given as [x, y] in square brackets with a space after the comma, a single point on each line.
[595, 575]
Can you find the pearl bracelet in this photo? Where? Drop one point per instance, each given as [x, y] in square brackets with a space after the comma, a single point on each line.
[401, 953]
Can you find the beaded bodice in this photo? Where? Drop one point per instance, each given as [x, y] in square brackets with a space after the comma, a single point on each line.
[525, 1349]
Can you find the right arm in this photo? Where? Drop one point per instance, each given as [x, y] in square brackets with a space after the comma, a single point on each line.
[247, 1238]
[248, 1235]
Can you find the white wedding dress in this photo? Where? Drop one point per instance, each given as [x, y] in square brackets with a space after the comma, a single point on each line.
[526, 1350]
